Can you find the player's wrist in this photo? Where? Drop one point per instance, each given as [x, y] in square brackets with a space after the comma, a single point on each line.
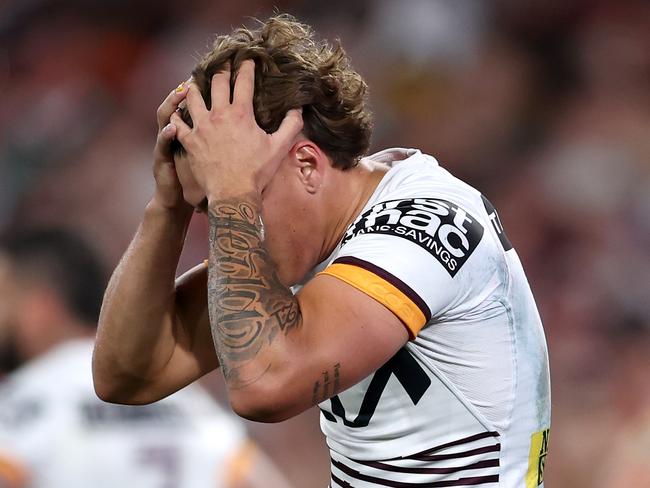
[244, 203]
[243, 189]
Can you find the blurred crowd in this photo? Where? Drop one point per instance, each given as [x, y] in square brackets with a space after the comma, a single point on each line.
[542, 105]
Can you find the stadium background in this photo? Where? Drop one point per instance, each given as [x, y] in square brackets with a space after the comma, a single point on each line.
[543, 105]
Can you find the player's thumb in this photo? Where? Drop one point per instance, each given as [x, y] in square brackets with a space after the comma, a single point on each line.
[289, 128]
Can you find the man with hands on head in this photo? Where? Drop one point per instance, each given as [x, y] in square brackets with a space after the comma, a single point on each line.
[412, 303]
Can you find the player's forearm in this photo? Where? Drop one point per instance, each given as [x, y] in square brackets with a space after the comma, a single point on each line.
[135, 338]
[251, 311]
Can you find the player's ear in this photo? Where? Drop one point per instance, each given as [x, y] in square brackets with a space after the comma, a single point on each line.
[310, 164]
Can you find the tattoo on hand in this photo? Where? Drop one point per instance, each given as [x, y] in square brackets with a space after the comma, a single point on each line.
[247, 303]
[322, 390]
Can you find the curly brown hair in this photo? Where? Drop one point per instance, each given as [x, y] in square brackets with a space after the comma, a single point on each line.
[292, 70]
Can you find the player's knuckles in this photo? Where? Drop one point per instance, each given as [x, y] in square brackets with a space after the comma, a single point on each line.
[221, 77]
[219, 116]
[194, 143]
[239, 111]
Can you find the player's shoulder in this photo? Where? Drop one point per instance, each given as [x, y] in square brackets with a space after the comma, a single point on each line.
[420, 202]
[414, 174]
[404, 167]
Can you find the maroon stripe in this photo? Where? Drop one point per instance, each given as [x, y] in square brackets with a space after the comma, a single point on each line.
[341, 483]
[489, 463]
[396, 282]
[464, 440]
[476, 480]
[444, 457]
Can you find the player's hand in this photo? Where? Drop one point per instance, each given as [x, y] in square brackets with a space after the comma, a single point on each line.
[168, 192]
[228, 153]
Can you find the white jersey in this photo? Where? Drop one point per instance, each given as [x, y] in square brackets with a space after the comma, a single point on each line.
[467, 401]
[55, 432]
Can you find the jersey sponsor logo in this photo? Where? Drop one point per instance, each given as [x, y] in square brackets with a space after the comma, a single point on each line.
[537, 458]
[440, 227]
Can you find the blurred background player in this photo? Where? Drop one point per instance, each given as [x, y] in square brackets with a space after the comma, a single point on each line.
[54, 432]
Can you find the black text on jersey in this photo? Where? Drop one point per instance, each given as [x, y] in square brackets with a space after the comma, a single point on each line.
[438, 226]
[496, 224]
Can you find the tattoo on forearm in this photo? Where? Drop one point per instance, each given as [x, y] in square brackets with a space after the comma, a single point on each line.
[327, 386]
[247, 303]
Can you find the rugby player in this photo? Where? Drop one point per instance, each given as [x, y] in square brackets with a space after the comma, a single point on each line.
[55, 432]
[380, 288]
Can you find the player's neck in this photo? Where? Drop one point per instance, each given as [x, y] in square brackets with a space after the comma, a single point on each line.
[351, 191]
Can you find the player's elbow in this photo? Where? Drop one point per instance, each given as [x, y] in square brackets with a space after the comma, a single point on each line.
[105, 390]
[267, 403]
[107, 394]
[112, 389]
[109, 391]
[112, 393]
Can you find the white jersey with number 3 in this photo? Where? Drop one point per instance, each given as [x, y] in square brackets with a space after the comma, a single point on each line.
[467, 401]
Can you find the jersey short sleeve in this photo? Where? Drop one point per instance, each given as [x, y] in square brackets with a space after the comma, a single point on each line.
[407, 254]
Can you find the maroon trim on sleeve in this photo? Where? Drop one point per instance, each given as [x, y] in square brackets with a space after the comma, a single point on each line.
[396, 282]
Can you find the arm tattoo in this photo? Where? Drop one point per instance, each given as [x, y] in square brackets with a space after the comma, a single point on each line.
[247, 303]
[327, 386]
